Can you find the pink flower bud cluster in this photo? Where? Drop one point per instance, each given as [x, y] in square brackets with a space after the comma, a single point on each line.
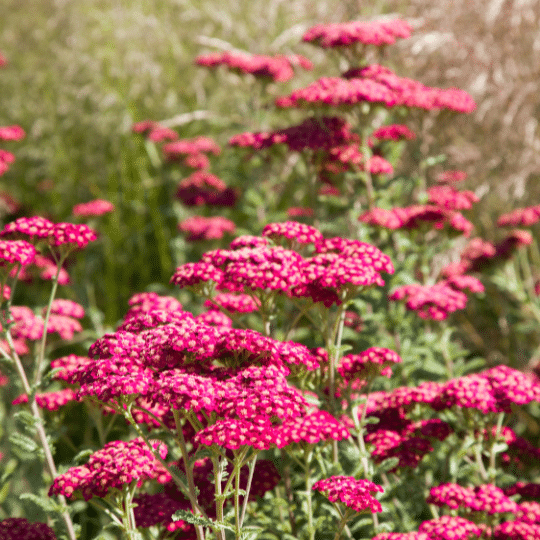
[318, 133]
[371, 362]
[451, 177]
[150, 301]
[206, 228]
[68, 308]
[12, 133]
[369, 33]
[214, 318]
[528, 512]
[16, 252]
[21, 528]
[450, 528]
[56, 234]
[377, 84]
[93, 208]
[6, 158]
[355, 494]
[279, 68]
[202, 188]
[116, 464]
[233, 303]
[192, 151]
[413, 217]
[485, 498]
[447, 197]
[293, 230]
[516, 530]
[158, 509]
[393, 132]
[48, 271]
[523, 217]
[51, 401]
[431, 302]
[68, 364]
[154, 131]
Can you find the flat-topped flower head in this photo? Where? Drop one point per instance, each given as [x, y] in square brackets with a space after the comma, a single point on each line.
[71, 235]
[116, 464]
[69, 308]
[313, 428]
[383, 32]
[12, 133]
[451, 177]
[50, 401]
[294, 231]
[447, 197]
[248, 241]
[371, 362]
[68, 365]
[516, 530]
[202, 188]
[402, 536]
[191, 147]
[450, 528]
[191, 274]
[22, 529]
[520, 217]
[97, 207]
[355, 494]
[206, 228]
[377, 84]
[393, 132]
[279, 68]
[16, 252]
[32, 228]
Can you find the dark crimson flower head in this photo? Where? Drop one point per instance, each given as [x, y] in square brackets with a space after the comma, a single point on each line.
[21, 528]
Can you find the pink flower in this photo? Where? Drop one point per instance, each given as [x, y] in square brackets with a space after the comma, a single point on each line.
[355, 494]
[523, 217]
[12, 133]
[313, 428]
[277, 68]
[72, 235]
[450, 528]
[451, 177]
[206, 228]
[16, 252]
[293, 230]
[369, 33]
[51, 401]
[451, 199]
[233, 303]
[69, 308]
[371, 362]
[394, 132]
[93, 208]
[22, 529]
[516, 530]
[116, 464]
[201, 187]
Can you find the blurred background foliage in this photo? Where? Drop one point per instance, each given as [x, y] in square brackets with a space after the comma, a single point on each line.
[81, 72]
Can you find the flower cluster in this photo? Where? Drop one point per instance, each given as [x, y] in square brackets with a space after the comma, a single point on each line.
[371, 362]
[393, 132]
[51, 401]
[22, 529]
[377, 84]
[431, 302]
[447, 197]
[154, 131]
[369, 33]
[233, 303]
[206, 228]
[12, 133]
[116, 464]
[318, 133]
[193, 152]
[201, 187]
[6, 158]
[523, 217]
[292, 230]
[93, 208]
[16, 252]
[450, 528]
[68, 308]
[279, 68]
[355, 494]
[413, 217]
[485, 498]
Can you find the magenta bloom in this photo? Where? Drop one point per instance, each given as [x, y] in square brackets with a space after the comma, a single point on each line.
[12, 133]
[21, 528]
[394, 132]
[520, 217]
[355, 494]
[206, 228]
[369, 33]
[16, 252]
[278, 68]
[450, 528]
[51, 401]
[313, 428]
[71, 234]
[68, 308]
[447, 197]
[201, 187]
[93, 208]
[116, 464]
[292, 230]
[373, 361]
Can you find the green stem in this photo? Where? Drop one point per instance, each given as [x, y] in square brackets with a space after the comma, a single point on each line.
[220, 498]
[307, 472]
[248, 487]
[343, 523]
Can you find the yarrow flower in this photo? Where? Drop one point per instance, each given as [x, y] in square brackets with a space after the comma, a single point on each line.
[523, 217]
[450, 528]
[206, 228]
[355, 494]
[12, 133]
[233, 303]
[116, 464]
[71, 234]
[22, 529]
[377, 84]
[451, 177]
[93, 208]
[394, 132]
[68, 308]
[278, 68]
[371, 362]
[292, 230]
[51, 401]
[447, 197]
[201, 187]
[16, 252]
[516, 530]
[368, 33]
[192, 151]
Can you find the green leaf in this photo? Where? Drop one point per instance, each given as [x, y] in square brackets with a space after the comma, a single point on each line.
[9, 468]
[387, 465]
[26, 418]
[45, 503]
[250, 533]
[83, 456]
[23, 442]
